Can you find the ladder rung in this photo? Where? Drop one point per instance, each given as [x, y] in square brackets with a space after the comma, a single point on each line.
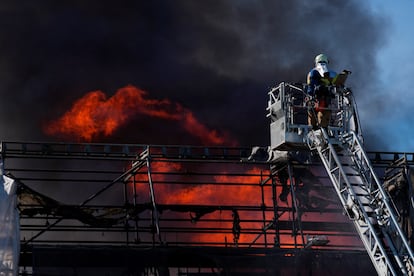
[357, 185]
[363, 194]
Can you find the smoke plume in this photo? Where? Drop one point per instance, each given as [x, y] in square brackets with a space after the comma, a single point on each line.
[216, 59]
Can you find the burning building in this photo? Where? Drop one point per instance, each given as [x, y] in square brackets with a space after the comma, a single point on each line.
[141, 209]
[92, 201]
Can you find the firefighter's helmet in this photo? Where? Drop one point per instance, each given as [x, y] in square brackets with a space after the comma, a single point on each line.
[321, 58]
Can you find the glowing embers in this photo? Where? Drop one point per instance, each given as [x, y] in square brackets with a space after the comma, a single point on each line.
[95, 115]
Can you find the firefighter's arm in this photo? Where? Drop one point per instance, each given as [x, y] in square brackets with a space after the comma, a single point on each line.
[311, 81]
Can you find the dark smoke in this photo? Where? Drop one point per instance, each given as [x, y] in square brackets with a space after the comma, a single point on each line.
[216, 58]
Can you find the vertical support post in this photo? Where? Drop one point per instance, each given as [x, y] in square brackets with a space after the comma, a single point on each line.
[263, 206]
[134, 202]
[295, 208]
[155, 219]
[126, 204]
[275, 213]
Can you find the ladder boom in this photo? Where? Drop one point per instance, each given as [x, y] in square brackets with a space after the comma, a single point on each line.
[362, 195]
[364, 200]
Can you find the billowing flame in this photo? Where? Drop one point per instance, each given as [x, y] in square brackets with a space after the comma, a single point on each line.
[222, 194]
[95, 115]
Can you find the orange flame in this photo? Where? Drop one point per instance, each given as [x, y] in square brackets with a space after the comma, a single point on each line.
[95, 115]
[218, 190]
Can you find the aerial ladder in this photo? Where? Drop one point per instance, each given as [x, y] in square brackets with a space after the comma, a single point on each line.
[350, 171]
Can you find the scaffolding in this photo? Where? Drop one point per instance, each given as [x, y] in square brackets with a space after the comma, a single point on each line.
[176, 210]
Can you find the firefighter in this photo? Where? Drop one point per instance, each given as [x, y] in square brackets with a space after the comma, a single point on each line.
[319, 80]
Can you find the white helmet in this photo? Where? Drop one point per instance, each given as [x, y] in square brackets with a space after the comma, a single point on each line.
[321, 58]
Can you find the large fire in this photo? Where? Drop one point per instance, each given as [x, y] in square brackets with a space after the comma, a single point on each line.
[226, 188]
[95, 115]
[231, 191]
